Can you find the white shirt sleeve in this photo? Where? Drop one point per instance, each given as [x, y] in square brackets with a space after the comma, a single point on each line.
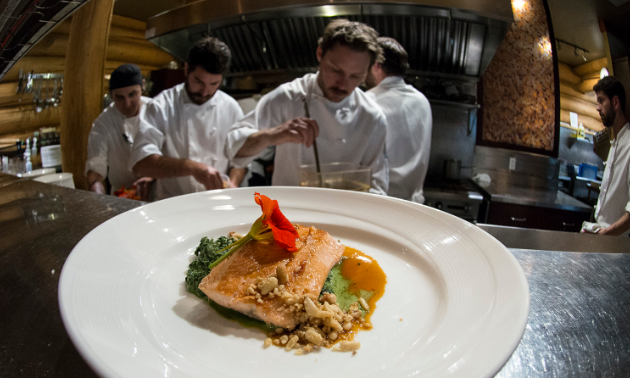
[264, 116]
[237, 136]
[149, 139]
[97, 149]
[376, 157]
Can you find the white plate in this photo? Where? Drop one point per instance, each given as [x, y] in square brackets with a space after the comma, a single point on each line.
[455, 305]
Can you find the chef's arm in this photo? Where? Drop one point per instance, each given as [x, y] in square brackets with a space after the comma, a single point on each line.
[158, 166]
[236, 176]
[95, 182]
[298, 130]
[619, 227]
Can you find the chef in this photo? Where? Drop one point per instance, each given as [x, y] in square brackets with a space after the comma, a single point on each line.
[409, 122]
[349, 127]
[113, 132]
[183, 132]
[612, 212]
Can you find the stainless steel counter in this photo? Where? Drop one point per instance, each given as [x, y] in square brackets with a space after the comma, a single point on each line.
[579, 322]
[553, 199]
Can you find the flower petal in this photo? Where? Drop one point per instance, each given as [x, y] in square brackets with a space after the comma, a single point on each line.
[267, 205]
[284, 232]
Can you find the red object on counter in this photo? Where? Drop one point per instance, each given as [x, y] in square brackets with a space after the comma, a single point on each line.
[130, 193]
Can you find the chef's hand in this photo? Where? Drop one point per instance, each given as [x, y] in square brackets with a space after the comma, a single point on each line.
[208, 176]
[298, 130]
[144, 187]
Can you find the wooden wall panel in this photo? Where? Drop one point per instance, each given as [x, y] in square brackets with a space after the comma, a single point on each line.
[83, 87]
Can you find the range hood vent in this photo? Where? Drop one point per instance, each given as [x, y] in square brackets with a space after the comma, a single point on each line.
[447, 41]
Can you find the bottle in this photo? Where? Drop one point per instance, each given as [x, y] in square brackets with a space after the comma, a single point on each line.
[34, 148]
[29, 165]
[5, 164]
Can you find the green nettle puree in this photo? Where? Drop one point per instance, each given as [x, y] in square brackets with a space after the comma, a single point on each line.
[208, 251]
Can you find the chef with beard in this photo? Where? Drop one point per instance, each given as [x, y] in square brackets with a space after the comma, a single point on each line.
[349, 126]
[612, 213]
[182, 135]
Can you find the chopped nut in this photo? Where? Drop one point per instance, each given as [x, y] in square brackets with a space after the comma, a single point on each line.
[348, 346]
[330, 298]
[347, 326]
[284, 339]
[313, 311]
[364, 304]
[267, 343]
[281, 272]
[292, 341]
[313, 337]
[333, 336]
[235, 235]
[332, 323]
[279, 330]
[268, 285]
[276, 342]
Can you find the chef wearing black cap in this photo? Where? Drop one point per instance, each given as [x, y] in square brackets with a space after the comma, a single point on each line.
[112, 134]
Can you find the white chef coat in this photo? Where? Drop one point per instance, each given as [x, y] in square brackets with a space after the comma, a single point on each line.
[110, 143]
[176, 127]
[409, 124]
[614, 194]
[351, 131]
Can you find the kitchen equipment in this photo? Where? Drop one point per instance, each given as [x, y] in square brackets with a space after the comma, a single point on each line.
[452, 169]
[61, 179]
[37, 172]
[347, 176]
[308, 115]
[458, 39]
[457, 197]
[588, 171]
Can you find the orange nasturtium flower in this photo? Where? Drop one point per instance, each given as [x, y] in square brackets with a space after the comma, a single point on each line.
[271, 224]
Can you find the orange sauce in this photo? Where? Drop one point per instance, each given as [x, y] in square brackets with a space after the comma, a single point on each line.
[364, 273]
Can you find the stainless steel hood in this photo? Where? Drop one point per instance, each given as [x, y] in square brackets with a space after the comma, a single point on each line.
[456, 37]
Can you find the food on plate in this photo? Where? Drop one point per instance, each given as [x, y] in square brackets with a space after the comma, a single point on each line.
[310, 290]
[131, 193]
[263, 268]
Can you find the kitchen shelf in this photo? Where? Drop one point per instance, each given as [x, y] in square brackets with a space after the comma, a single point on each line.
[568, 126]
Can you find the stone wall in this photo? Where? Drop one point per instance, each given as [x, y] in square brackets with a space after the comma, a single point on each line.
[518, 86]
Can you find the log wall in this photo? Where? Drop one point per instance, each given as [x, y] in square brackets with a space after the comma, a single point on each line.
[576, 93]
[126, 44]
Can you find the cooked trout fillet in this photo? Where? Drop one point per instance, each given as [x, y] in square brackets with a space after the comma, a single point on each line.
[307, 270]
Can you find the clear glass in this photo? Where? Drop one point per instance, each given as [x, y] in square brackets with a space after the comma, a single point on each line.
[346, 176]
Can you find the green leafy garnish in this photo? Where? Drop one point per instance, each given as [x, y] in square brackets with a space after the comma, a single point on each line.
[208, 251]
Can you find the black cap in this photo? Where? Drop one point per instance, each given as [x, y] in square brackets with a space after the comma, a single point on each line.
[125, 76]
